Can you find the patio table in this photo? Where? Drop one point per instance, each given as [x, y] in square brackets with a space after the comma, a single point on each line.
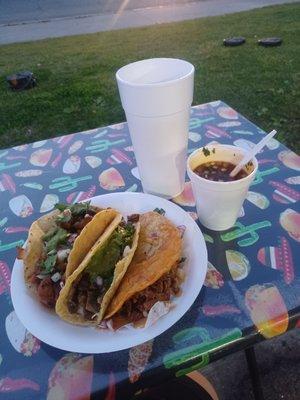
[251, 291]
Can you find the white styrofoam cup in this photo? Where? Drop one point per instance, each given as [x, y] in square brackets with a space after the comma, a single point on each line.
[156, 95]
[218, 203]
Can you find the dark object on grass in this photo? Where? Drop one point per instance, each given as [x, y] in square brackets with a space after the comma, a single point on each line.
[270, 42]
[235, 41]
[21, 81]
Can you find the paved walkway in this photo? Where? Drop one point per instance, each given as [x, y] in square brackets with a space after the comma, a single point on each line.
[13, 11]
[29, 31]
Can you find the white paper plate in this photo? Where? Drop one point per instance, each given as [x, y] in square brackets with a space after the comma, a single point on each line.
[49, 328]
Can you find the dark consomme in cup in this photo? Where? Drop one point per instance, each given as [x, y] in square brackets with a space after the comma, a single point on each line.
[218, 171]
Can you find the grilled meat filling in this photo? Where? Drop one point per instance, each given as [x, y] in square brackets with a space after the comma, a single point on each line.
[140, 304]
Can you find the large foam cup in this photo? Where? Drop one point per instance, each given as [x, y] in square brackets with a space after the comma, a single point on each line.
[219, 203]
[156, 95]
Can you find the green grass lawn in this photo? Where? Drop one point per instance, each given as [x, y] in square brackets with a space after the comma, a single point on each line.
[76, 75]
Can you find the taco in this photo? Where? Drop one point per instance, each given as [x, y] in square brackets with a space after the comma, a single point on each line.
[90, 288]
[153, 274]
[57, 244]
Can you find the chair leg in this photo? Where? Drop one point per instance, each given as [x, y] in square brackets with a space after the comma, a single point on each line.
[254, 373]
[202, 381]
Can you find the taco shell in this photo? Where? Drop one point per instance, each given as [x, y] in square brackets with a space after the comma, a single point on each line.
[159, 248]
[119, 272]
[88, 237]
[34, 246]
[82, 244]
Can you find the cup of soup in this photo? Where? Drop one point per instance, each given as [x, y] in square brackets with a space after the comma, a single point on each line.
[219, 197]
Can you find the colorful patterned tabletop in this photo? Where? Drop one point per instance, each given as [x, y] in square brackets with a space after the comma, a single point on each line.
[251, 291]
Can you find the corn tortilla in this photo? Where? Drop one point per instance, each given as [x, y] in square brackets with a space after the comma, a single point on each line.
[82, 244]
[120, 269]
[159, 248]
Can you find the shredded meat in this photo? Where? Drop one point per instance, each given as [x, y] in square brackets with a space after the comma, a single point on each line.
[133, 218]
[139, 305]
[86, 297]
[79, 225]
[66, 225]
[72, 238]
[78, 222]
[61, 265]
[47, 290]
[91, 302]
[47, 293]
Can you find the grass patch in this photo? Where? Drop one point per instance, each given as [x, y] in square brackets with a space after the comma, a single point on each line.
[76, 75]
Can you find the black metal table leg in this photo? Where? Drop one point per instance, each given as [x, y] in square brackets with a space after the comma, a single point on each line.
[254, 374]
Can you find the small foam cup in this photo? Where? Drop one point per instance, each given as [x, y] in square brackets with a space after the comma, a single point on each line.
[156, 95]
[219, 203]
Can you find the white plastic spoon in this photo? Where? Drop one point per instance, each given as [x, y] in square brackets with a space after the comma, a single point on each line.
[247, 157]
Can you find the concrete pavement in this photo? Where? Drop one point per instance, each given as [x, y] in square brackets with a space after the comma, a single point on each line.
[279, 368]
[29, 31]
[15, 11]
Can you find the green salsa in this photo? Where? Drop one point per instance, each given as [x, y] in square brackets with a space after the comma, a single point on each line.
[104, 260]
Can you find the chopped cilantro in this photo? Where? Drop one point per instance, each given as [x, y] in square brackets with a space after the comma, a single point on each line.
[160, 211]
[61, 206]
[76, 209]
[59, 237]
[127, 234]
[124, 235]
[65, 216]
[49, 263]
[205, 151]
[49, 235]
[51, 252]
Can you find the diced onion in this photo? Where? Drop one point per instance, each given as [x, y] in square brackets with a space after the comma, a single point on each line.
[99, 281]
[56, 277]
[80, 310]
[62, 254]
[126, 251]
[41, 276]
[180, 274]
[109, 324]
[67, 212]
[102, 325]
